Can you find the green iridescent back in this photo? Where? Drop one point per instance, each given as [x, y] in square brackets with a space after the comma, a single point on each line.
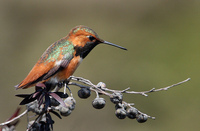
[52, 53]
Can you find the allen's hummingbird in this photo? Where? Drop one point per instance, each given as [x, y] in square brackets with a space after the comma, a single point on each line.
[61, 59]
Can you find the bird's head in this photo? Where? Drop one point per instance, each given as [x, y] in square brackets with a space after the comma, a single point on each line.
[85, 39]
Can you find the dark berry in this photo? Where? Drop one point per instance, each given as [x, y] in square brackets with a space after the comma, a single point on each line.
[98, 103]
[65, 111]
[84, 93]
[120, 113]
[132, 113]
[116, 97]
[141, 118]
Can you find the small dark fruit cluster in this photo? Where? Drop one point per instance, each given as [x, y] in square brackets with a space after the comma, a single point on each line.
[97, 103]
[116, 97]
[70, 105]
[122, 111]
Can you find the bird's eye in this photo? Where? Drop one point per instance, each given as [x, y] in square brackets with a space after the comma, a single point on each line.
[91, 38]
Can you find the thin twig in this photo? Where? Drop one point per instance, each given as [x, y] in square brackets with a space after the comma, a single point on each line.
[166, 88]
[17, 117]
[144, 93]
[93, 87]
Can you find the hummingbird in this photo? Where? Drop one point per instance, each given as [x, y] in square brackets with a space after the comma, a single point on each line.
[61, 59]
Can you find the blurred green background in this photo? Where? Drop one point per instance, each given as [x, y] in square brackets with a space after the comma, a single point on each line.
[162, 38]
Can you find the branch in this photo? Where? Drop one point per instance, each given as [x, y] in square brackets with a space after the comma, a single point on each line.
[103, 88]
[117, 94]
[144, 93]
[15, 118]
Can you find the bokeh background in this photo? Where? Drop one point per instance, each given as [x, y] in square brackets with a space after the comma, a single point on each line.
[162, 38]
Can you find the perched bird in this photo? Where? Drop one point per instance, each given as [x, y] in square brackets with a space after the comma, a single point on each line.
[61, 59]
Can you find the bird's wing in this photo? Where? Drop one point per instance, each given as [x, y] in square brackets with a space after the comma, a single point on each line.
[58, 65]
[52, 61]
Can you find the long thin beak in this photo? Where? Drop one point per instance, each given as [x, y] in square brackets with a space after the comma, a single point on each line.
[108, 43]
